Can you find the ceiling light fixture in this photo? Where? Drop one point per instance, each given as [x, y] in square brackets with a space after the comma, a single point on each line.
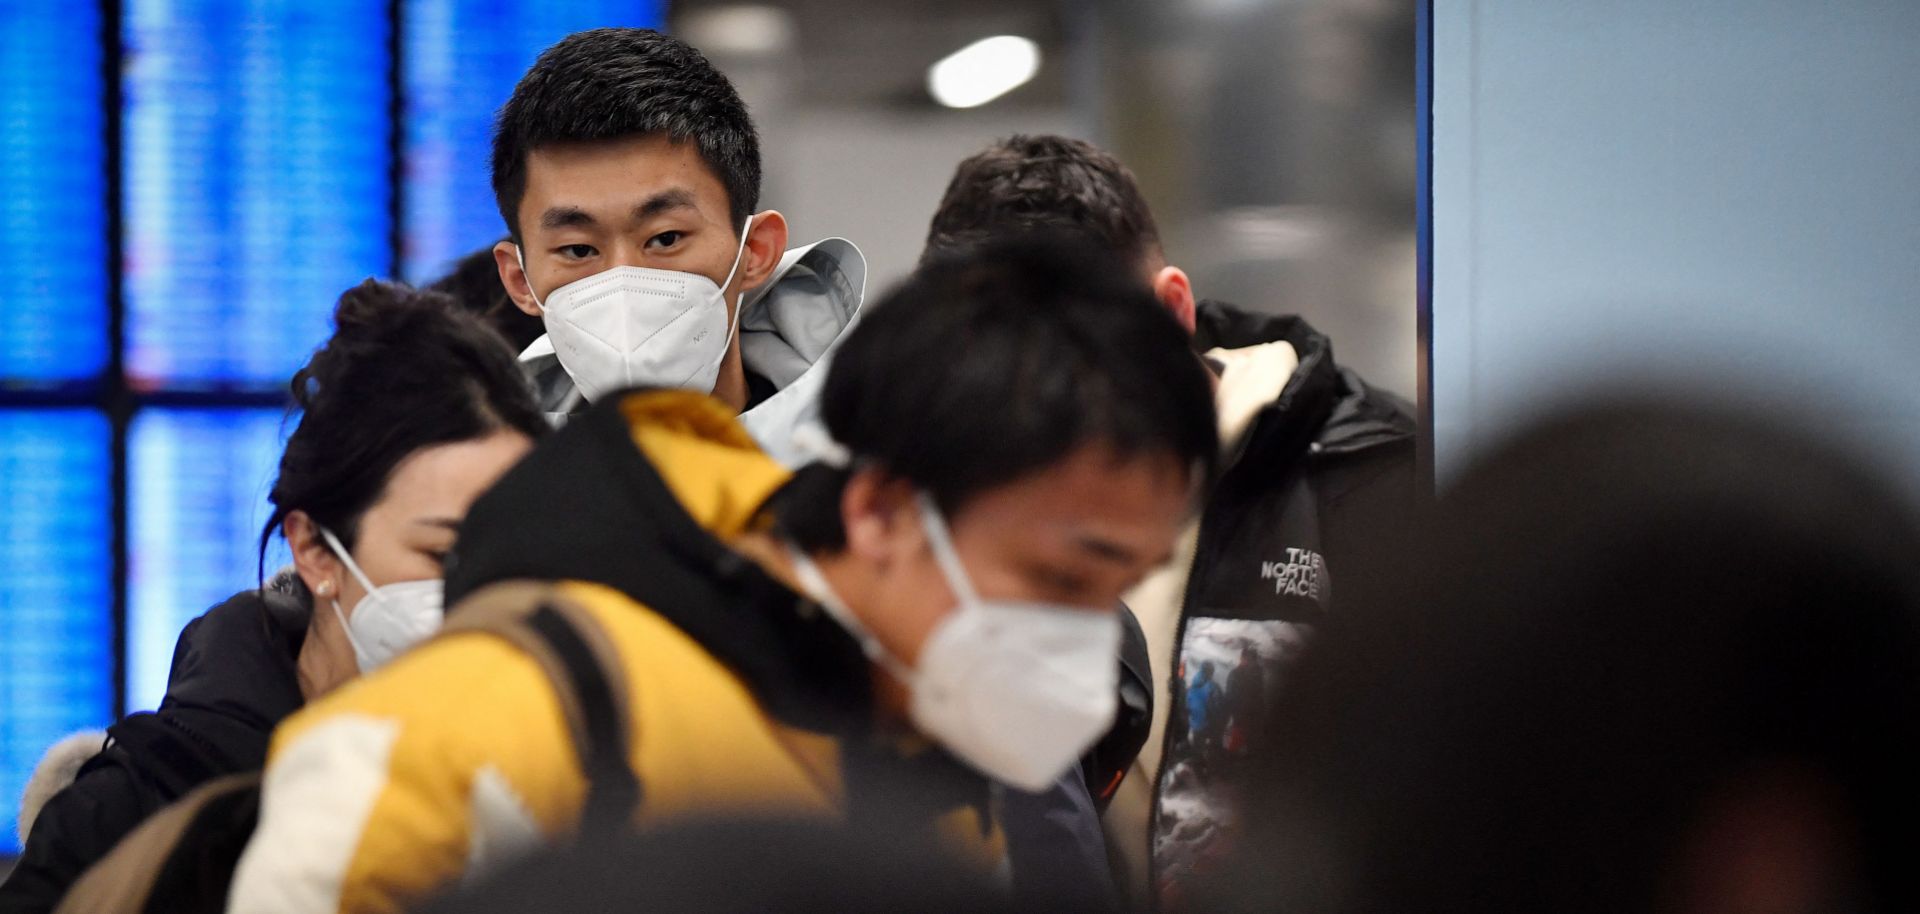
[983, 71]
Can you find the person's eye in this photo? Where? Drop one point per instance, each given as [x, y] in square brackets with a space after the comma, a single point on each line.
[665, 240]
[1062, 585]
[576, 251]
[439, 556]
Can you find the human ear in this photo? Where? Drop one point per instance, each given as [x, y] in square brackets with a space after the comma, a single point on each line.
[1175, 291]
[766, 244]
[878, 512]
[506, 258]
[316, 564]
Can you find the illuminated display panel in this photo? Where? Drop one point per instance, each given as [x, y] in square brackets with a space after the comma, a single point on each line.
[56, 590]
[197, 491]
[257, 183]
[53, 224]
[460, 62]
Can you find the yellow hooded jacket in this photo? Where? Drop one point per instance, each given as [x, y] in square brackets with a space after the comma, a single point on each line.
[744, 698]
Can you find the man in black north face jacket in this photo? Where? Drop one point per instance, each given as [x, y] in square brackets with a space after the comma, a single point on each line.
[1316, 465]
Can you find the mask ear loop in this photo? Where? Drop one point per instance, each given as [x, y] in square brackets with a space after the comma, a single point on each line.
[519, 255]
[739, 302]
[353, 568]
[948, 558]
[814, 582]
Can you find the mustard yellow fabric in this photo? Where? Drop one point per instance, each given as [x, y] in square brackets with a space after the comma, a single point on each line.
[459, 749]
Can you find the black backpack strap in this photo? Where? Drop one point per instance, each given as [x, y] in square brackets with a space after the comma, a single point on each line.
[588, 679]
[600, 721]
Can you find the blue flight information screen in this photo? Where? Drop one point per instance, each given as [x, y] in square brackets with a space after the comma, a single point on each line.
[272, 154]
[197, 491]
[256, 160]
[56, 588]
[460, 62]
[53, 225]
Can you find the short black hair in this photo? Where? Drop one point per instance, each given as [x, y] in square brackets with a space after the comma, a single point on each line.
[983, 368]
[404, 370]
[611, 84]
[1026, 183]
[474, 283]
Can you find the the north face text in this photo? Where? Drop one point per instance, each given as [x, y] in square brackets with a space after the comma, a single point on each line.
[1299, 575]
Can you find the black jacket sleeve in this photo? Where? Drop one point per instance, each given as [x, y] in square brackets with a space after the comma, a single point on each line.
[74, 830]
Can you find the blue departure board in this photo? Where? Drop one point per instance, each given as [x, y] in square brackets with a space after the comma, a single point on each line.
[56, 588]
[460, 62]
[53, 226]
[257, 184]
[197, 491]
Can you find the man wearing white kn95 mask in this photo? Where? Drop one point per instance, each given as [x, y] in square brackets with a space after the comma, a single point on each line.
[917, 622]
[628, 172]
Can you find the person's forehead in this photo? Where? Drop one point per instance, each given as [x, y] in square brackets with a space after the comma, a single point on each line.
[1132, 501]
[617, 175]
[444, 478]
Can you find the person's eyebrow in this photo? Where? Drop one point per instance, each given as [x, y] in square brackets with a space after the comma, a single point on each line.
[664, 201]
[559, 217]
[1109, 551]
[448, 523]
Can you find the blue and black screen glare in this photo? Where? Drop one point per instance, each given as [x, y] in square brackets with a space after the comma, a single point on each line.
[56, 588]
[256, 186]
[459, 65]
[53, 223]
[256, 163]
[197, 492]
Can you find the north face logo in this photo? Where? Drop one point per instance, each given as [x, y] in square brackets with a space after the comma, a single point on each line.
[1299, 575]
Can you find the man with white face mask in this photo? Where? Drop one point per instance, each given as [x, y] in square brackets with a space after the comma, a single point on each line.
[628, 171]
[1007, 447]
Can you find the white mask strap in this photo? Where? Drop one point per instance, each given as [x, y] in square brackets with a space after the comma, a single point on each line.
[941, 540]
[814, 582]
[520, 255]
[353, 567]
[739, 254]
[739, 301]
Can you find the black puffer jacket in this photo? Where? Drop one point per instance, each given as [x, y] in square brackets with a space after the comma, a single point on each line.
[232, 681]
[1322, 471]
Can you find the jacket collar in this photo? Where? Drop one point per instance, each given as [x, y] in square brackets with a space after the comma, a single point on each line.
[234, 674]
[1323, 407]
[589, 504]
[790, 326]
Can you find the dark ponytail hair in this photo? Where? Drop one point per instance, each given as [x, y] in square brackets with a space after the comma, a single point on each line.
[405, 369]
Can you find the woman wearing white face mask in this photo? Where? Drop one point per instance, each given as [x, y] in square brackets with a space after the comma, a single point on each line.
[408, 412]
[1029, 429]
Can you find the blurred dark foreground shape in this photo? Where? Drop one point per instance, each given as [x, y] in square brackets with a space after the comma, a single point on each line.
[741, 867]
[1640, 659]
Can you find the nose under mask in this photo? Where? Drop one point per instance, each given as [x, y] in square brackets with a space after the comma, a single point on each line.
[1017, 689]
[390, 618]
[642, 327]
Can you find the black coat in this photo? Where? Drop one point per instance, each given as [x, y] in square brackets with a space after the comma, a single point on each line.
[232, 681]
[1323, 471]
[1323, 468]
